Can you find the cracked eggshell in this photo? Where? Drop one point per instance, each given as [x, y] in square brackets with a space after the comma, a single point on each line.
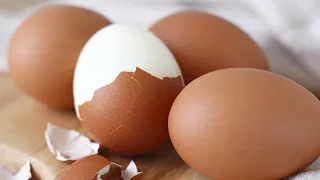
[111, 171]
[85, 169]
[131, 172]
[125, 82]
[69, 145]
[23, 174]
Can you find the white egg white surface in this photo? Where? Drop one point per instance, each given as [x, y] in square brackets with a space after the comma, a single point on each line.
[118, 48]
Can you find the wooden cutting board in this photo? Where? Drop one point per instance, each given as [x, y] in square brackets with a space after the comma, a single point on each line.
[22, 125]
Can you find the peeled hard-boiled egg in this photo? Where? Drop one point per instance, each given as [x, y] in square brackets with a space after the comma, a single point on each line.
[202, 43]
[243, 123]
[45, 48]
[125, 82]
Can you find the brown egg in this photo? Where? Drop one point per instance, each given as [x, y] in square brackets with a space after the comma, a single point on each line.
[243, 123]
[203, 43]
[85, 169]
[45, 48]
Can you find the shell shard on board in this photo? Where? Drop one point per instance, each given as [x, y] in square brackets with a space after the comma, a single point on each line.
[111, 171]
[97, 167]
[69, 144]
[131, 172]
[23, 174]
[86, 168]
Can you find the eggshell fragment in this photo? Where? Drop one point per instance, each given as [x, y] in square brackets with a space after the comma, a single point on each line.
[243, 123]
[125, 82]
[23, 174]
[113, 171]
[131, 172]
[110, 172]
[85, 168]
[69, 144]
[97, 167]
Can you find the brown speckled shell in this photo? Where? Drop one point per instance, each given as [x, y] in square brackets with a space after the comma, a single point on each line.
[130, 115]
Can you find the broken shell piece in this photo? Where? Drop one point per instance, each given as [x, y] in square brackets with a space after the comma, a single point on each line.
[23, 174]
[131, 173]
[69, 144]
[111, 171]
[97, 167]
[85, 168]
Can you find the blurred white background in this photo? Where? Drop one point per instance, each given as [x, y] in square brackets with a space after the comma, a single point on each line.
[287, 30]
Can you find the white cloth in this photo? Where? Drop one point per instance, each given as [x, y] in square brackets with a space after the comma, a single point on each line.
[311, 175]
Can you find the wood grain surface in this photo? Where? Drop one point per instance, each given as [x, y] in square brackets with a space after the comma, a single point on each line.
[22, 125]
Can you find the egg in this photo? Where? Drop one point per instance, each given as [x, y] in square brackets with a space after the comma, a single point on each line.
[244, 123]
[125, 82]
[45, 48]
[202, 43]
[85, 168]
